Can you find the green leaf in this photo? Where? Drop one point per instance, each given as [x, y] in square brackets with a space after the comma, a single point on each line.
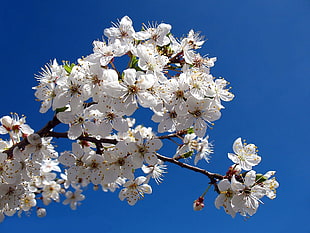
[260, 178]
[134, 63]
[68, 67]
[187, 154]
[190, 130]
[61, 109]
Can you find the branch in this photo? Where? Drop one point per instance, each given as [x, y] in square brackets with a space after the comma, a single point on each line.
[212, 176]
[85, 138]
[177, 134]
[46, 132]
[42, 132]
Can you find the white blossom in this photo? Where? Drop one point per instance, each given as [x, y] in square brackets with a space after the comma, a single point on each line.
[244, 154]
[135, 190]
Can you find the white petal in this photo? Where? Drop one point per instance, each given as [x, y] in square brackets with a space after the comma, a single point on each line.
[75, 131]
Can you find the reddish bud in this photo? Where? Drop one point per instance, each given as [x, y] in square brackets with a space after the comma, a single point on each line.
[198, 204]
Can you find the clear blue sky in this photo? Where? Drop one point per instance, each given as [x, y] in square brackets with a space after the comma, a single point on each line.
[262, 49]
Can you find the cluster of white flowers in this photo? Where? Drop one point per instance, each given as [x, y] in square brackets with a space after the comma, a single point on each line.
[241, 192]
[97, 101]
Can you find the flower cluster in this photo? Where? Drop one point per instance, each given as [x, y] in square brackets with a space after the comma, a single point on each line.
[241, 192]
[98, 101]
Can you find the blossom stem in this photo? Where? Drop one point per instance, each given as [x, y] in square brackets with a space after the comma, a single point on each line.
[205, 192]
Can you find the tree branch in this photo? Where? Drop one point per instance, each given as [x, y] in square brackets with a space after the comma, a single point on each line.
[212, 176]
[85, 138]
[46, 132]
[42, 132]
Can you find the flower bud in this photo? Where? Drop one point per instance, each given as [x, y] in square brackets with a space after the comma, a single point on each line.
[198, 204]
[7, 121]
[34, 139]
[41, 212]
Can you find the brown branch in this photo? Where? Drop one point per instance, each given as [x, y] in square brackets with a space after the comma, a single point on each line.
[85, 138]
[42, 132]
[46, 132]
[177, 134]
[212, 176]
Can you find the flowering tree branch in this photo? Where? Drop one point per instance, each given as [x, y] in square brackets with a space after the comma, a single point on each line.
[97, 102]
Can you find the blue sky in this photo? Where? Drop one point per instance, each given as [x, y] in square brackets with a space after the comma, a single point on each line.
[262, 49]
